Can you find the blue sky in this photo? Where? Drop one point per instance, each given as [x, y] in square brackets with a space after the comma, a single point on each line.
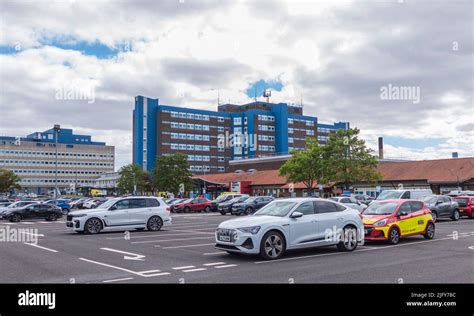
[258, 87]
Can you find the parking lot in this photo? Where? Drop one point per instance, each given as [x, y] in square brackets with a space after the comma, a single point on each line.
[184, 253]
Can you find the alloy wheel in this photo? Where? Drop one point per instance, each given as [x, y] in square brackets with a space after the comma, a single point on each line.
[273, 246]
[94, 226]
[154, 223]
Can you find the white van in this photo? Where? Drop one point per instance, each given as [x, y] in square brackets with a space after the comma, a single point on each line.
[413, 194]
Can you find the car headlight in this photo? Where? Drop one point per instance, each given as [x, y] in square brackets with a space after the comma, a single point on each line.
[383, 222]
[253, 230]
[79, 215]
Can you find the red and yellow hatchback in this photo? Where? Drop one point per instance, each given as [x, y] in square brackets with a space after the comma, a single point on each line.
[392, 219]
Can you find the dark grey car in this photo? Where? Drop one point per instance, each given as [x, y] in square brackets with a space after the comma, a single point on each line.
[442, 206]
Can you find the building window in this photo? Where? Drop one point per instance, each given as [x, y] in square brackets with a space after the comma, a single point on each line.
[205, 117]
[290, 130]
[220, 119]
[190, 116]
[174, 114]
[237, 121]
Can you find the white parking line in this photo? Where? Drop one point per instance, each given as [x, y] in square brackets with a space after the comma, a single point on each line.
[195, 270]
[9, 223]
[41, 247]
[213, 264]
[214, 253]
[192, 224]
[366, 249]
[226, 266]
[32, 234]
[152, 236]
[185, 246]
[141, 273]
[167, 240]
[183, 268]
[117, 280]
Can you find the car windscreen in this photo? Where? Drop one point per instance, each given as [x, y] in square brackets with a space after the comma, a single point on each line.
[381, 208]
[388, 195]
[461, 201]
[430, 199]
[279, 208]
[109, 203]
[251, 199]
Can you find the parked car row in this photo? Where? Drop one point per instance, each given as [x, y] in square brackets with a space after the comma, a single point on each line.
[20, 210]
[297, 223]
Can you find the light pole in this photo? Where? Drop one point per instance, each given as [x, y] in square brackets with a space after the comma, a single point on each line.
[57, 129]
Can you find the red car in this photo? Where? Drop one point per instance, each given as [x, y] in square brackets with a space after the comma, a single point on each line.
[193, 205]
[466, 205]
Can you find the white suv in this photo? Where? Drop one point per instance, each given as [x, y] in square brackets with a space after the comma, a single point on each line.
[122, 214]
[292, 224]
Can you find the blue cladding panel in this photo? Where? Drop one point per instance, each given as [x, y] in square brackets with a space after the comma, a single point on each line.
[281, 128]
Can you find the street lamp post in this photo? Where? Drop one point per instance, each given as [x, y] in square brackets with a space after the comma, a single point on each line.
[57, 129]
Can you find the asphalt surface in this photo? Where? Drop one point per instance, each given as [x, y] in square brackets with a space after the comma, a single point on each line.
[184, 253]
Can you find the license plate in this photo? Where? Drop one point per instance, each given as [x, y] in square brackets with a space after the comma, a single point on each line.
[224, 238]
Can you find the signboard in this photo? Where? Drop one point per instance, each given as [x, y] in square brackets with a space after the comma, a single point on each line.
[235, 187]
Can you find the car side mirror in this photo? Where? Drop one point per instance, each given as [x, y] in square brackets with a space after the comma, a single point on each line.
[403, 213]
[113, 208]
[296, 215]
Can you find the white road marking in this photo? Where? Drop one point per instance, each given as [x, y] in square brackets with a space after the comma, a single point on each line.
[226, 266]
[214, 253]
[27, 223]
[167, 240]
[117, 280]
[142, 273]
[367, 249]
[149, 271]
[33, 234]
[213, 264]
[160, 235]
[193, 229]
[128, 255]
[185, 246]
[9, 223]
[183, 268]
[195, 270]
[192, 224]
[41, 247]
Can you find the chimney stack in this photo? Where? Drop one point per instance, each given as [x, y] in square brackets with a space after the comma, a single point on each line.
[380, 148]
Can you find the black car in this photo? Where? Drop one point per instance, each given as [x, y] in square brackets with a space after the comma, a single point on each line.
[250, 205]
[226, 207]
[442, 206]
[223, 198]
[45, 211]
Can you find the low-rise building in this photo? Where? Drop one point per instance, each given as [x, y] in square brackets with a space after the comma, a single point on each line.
[33, 158]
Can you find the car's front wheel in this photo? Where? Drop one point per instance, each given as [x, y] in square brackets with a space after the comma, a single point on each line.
[394, 236]
[65, 211]
[456, 215]
[429, 231]
[223, 213]
[272, 245]
[435, 216]
[154, 223]
[52, 217]
[15, 218]
[186, 210]
[93, 226]
[348, 239]
[207, 209]
[248, 211]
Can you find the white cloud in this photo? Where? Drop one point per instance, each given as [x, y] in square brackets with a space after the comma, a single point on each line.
[336, 54]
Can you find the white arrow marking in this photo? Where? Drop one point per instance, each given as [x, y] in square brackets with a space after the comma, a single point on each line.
[131, 255]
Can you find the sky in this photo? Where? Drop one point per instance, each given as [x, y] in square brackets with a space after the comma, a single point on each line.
[81, 63]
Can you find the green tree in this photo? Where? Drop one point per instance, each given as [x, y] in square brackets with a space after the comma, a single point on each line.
[129, 176]
[171, 173]
[348, 160]
[8, 180]
[306, 166]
